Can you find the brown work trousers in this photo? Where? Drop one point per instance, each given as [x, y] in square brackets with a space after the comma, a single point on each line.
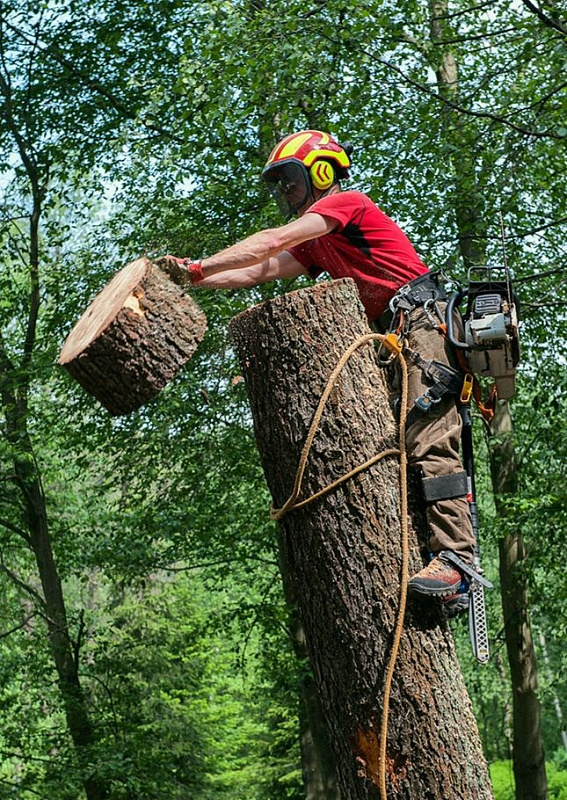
[433, 441]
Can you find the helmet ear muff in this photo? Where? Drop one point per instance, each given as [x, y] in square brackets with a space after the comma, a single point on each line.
[322, 175]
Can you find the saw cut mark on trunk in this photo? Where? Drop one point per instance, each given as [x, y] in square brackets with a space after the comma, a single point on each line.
[134, 337]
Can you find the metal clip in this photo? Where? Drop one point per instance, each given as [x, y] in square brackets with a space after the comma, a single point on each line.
[393, 343]
[466, 391]
[425, 402]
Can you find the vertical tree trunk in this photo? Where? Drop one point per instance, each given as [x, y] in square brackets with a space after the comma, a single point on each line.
[14, 393]
[528, 754]
[342, 554]
[317, 760]
[318, 763]
[65, 659]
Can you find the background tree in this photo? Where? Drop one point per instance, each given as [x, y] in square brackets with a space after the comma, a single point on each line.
[147, 127]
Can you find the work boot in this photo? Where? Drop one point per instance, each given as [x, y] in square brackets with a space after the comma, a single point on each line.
[456, 604]
[439, 578]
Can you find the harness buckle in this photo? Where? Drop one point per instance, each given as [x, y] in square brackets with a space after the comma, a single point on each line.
[425, 402]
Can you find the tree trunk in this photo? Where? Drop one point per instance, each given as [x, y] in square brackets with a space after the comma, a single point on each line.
[342, 553]
[470, 217]
[317, 760]
[318, 763]
[134, 337]
[529, 756]
[64, 655]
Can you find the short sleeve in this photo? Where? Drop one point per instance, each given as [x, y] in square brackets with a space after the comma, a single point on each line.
[302, 253]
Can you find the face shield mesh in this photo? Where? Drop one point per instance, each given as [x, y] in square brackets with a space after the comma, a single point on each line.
[290, 187]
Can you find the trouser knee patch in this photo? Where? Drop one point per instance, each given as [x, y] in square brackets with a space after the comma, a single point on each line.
[445, 487]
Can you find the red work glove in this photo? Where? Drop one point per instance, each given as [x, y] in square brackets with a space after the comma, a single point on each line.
[181, 270]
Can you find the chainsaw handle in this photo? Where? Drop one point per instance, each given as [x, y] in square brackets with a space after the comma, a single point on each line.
[454, 300]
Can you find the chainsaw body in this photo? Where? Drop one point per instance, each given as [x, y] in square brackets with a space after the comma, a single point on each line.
[492, 342]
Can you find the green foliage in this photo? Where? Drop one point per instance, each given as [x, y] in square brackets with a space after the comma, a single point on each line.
[502, 778]
[148, 124]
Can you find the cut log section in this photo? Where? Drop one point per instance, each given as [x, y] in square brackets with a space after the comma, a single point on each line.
[134, 338]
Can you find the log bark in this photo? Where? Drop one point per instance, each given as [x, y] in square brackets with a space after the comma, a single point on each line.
[134, 338]
[342, 553]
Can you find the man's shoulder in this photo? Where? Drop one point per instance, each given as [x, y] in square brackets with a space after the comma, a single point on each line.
[344, 196]
[341, 206]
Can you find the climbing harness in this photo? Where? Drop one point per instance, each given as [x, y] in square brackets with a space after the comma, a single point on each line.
[443, 378]
[464, 386]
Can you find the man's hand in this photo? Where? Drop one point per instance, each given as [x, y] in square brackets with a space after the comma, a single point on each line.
[182, 271]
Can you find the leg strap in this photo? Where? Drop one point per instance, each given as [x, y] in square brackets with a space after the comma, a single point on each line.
[445, 487]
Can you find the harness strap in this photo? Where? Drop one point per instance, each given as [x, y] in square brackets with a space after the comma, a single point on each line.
[486, 407]
[422, 290]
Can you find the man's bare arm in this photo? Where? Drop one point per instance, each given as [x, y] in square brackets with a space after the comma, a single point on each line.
[284, 265]
[260, 248]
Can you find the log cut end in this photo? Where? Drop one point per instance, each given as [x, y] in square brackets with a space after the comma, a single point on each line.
[134, 337]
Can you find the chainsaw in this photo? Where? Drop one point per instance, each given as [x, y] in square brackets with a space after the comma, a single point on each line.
[492, 349]
[491, 341]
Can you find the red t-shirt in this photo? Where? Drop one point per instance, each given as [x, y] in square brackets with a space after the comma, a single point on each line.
[366, 246]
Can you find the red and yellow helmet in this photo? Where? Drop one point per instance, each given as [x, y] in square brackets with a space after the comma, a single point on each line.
[302, 162]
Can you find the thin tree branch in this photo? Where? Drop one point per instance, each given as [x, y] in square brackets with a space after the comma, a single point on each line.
[78, 643]
[53, 49]
[220, 561]
[38, 189]
[19, 627]
[533, 231]
[537, 276]
[23, 585]
[456, 107]
[21, 788]
[15, 529]
[464, 11]
[475, 37]
[548, 21]
[445, 100]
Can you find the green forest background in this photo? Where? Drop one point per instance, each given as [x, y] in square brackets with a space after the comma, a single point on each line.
[158, 631]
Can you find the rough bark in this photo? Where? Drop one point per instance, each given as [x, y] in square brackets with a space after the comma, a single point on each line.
[134, 337]
[318, 763]
[317, 760]
[342, 554]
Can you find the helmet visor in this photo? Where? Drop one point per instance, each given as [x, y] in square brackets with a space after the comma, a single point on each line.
[290, 187]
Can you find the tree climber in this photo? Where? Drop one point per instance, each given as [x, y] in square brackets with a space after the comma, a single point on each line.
[345, 234]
